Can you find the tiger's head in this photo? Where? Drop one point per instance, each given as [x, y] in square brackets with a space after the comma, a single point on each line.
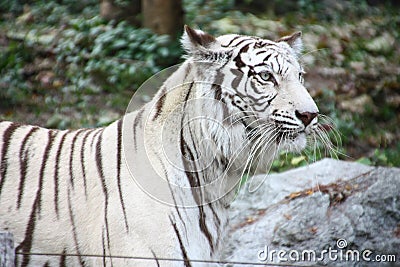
[260, 82]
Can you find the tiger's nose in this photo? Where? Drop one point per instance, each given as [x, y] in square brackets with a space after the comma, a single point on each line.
[306, 117]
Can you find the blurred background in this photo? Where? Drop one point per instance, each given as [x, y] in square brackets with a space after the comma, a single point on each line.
[70, 64]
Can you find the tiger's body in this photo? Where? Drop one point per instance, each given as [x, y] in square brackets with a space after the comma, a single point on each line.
[156, 184]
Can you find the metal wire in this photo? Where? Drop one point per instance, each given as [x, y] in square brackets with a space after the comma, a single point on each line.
[158, 259]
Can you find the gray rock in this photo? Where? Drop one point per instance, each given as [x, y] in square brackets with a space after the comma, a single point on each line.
[340, 207]
[6, 249]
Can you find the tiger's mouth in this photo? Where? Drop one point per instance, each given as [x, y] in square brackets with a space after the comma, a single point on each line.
[292, 135]
[285, 136]
[296, 141]
[279, 135]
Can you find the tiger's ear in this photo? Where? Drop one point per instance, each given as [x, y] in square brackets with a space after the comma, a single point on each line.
[195, 41]
[294, 41]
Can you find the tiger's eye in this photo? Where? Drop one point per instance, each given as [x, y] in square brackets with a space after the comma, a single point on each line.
[266, 76]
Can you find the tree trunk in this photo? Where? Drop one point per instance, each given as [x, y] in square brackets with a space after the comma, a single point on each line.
[163, 16]
[110, 10]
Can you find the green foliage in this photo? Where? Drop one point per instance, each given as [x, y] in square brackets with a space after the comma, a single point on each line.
[287, 161]
[63, 65]
[202, 13]
[114, 56]
[50, 13]
[383, 157]
[13, 87]
[334, 11]
[50, 9]
[98, 64]
[79, 7]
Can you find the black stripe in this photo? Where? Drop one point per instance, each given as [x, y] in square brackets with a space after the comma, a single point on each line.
[160, 102]
[286, 71]
[225, 112]
[43, 165]
[217, 222]
[71, 156]
[271, 99]
[188, 155]
[6, 143]
[97, 132]
[242, 41]
[184, 149]
[217, 91]
[285, 116]
[172, 192]
[216, 86]
[277, 62]
[135, 125]
[287, 123]
[267, 57]
[83, 148]
[231, 41]
[23, 161]
[219, 78]
[203, 227]
[104, 248]
[63, 258]
[262, 64]
[216, 217]
[183, 250]
[193, 177]
[238, 60]
[75, 236]
[119, 162]
[155, 258]
[187, 96]
[187, 71]
[194, 154]
[246, 91]
[259, 100]
[194, 181]
[26, 244]
[238, 77]
[56, 176]
[236, 105]
[99, 165]
[255, 89]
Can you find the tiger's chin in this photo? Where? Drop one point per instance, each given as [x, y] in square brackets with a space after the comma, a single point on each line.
[293, 143]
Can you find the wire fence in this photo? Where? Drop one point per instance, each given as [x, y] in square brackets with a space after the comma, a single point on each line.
[157, 259]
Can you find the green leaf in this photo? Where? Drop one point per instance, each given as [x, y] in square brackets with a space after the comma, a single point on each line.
[297, 160]
[364, 160]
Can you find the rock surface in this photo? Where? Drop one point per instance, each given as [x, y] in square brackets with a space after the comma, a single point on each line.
[6, 249]
[347, 213]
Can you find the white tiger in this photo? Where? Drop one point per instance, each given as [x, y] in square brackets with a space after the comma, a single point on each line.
[156, 184]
